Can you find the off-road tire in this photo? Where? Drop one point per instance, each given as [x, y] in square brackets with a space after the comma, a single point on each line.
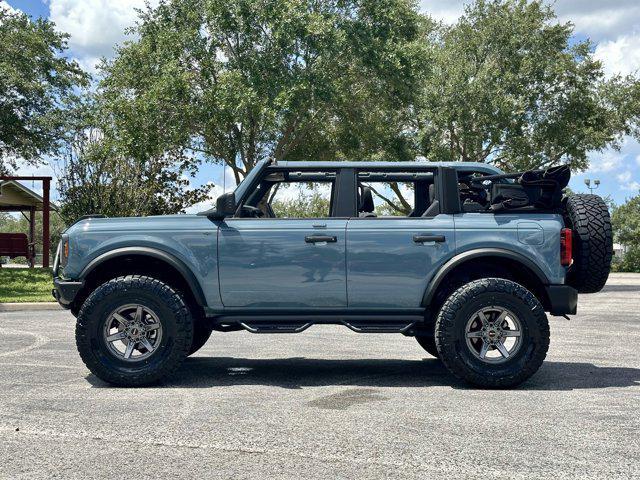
[201, 333]
[173, 314]
[429, 344]
[486, 292]
[588, 216]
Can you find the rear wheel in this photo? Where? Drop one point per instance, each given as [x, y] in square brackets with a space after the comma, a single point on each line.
[133, 331]
[492, 333]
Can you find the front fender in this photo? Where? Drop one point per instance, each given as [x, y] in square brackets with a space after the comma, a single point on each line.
[191, 249]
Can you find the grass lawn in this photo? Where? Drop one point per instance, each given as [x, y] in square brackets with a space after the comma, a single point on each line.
[25, 285]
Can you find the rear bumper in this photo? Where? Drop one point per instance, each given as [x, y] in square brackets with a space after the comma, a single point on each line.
[563, 299]
[65, 291]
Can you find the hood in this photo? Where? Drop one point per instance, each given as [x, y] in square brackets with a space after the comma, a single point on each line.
[132, 224]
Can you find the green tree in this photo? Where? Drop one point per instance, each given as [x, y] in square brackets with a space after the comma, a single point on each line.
[100, 175]
[509, 86]
[237, 81]
[626, 226]
[36, 82]
[304, 205]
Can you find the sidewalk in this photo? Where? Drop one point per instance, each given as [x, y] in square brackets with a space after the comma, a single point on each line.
[29, 306]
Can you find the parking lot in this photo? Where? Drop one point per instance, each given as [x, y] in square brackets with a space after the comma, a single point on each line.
[326, 403]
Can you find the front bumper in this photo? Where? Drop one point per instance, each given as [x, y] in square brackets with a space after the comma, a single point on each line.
[65, 291]
[563, 299]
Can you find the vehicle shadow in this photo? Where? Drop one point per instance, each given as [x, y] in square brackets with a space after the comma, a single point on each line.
[298, 372]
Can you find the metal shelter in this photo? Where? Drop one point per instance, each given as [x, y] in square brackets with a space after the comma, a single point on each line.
[15, 197]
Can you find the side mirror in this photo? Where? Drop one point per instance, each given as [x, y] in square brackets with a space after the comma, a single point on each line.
[225, 207]
[226, 204]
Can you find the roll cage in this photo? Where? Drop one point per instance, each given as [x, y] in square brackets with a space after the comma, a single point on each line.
[347, 182]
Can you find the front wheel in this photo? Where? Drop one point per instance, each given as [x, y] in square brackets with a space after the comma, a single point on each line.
[492, 333]
[133, 331]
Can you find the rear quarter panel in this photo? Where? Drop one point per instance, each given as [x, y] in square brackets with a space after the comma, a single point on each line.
[533, 235]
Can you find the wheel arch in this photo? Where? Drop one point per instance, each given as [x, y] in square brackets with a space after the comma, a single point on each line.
[485, 262]
[143, 261]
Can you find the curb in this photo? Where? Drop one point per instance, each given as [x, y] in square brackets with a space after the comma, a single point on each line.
[29, 306]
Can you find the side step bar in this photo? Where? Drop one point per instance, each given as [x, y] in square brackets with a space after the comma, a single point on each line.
[297, 324]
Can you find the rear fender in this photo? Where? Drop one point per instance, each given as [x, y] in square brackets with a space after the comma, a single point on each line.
[463, 257]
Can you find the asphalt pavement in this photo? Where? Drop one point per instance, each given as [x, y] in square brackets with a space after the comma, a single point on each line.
[326, 403]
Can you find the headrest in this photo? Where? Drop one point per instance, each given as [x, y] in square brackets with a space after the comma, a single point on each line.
[432, 193]
[366, 201]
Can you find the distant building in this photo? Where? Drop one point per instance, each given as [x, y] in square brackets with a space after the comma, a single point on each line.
[619, 250]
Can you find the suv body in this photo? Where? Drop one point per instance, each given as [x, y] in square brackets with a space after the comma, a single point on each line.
[240, 267]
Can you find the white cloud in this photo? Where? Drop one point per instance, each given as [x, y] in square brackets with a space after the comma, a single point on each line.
[621, 55]
[604, 161]
[617, 171]
[220, 187]
[624, 177]
[447, 11]
[95, 26]
[597, 19]
[5, 6]
[214, 193]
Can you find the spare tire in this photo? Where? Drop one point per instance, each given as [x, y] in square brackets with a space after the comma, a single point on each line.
[588, 216]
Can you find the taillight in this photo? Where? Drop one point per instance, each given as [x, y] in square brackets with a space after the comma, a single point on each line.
[566, 247]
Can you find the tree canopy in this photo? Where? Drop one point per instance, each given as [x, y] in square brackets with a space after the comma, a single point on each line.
[626, 224]
[35, 84]
[510, 86]
[99, 174]
[237, 81]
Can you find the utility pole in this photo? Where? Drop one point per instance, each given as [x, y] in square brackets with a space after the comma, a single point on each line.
[46, 236]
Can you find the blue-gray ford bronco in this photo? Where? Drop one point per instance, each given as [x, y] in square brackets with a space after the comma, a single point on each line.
[461, 256]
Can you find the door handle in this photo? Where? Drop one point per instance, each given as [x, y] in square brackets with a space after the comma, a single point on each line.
[320, 239]
[428, 238]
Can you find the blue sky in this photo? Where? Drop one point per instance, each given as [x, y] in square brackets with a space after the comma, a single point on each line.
[96, 26]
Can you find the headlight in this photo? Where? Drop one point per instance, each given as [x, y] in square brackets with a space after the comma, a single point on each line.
[56, 262]
[64, 250]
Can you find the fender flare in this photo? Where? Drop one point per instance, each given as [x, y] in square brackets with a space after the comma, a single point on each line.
[463, 257]
[161, 255]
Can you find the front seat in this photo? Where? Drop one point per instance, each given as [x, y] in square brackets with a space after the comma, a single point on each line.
[434, 205]
[365, 203]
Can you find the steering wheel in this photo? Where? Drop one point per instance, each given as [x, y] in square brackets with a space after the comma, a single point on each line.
[253, 212]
